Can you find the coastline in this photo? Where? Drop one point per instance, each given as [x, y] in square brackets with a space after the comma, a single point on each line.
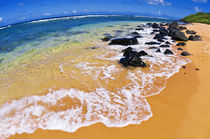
[179, 111]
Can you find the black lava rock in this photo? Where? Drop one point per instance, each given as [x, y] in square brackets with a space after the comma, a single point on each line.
[168, 52]
[182, 28]
[152, 43]
[142, 53]
[190, 32]
[155, 25]
[139, 28]
[179, 49]
[165, 46]
[163, 31]
[158, 50]
[167, 42]
[153, 47]
[178, 36]
[181, 44]
[159, 37]
[194, 38]
[185, 54]
[160, 40]
[124, 41]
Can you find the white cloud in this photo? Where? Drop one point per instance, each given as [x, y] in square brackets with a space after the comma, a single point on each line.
[1, 19]
[74, 11]
[197, 9]
[21, 4]
[201, 1]
[156, 2]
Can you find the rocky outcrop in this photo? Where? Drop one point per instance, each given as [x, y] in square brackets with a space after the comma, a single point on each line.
[132, 58]
[124, 41]
[152, 43]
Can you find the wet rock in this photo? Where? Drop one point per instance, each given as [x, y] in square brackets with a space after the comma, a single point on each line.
[148, 24]
[133, 61]
[185, 53]
[153, 47]
[178, 36]
[142, 53]
[159, 37]
[184, 67]
[168, 52]
[155, 25]
[194, 38]
[124, 41]
[152, 43]
[179, 49]
[160, 40]
[182, 28]
[197, 69]
[156, 30]
[164, 46]
[167, 42]
[158, 50]
[181, 44]
[139, 28]
[134, 33]
[163, 31]
[190, 32]
[129, 52]
[132, 58]
[173, 25]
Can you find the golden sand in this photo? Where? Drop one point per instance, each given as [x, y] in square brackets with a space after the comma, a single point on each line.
[180, 111]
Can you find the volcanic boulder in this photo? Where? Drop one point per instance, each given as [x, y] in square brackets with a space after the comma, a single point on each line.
[124, 41]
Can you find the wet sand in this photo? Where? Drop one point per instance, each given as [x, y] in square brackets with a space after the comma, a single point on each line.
[180, 111]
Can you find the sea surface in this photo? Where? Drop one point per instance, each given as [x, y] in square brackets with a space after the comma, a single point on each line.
[58, 74]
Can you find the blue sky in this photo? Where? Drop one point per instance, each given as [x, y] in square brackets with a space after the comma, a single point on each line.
[13, 11]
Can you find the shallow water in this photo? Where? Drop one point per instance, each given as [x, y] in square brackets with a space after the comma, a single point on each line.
[53, 80]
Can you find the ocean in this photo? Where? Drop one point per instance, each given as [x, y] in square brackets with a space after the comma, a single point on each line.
[58, 74]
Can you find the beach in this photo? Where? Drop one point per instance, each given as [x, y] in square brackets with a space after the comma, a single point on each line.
[180, 111]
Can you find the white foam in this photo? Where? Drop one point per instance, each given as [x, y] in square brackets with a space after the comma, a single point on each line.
[71, 17]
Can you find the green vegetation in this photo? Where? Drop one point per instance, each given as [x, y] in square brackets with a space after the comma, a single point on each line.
[198, 18]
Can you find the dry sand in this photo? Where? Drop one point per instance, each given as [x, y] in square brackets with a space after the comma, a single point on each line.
[181, 111]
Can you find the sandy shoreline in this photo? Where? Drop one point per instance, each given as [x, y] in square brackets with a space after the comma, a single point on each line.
[181, 110]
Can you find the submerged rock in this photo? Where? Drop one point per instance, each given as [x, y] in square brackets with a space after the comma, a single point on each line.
[107, 37]
[185, 53]
[139, 28]
[168, 52]
[124, 41]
